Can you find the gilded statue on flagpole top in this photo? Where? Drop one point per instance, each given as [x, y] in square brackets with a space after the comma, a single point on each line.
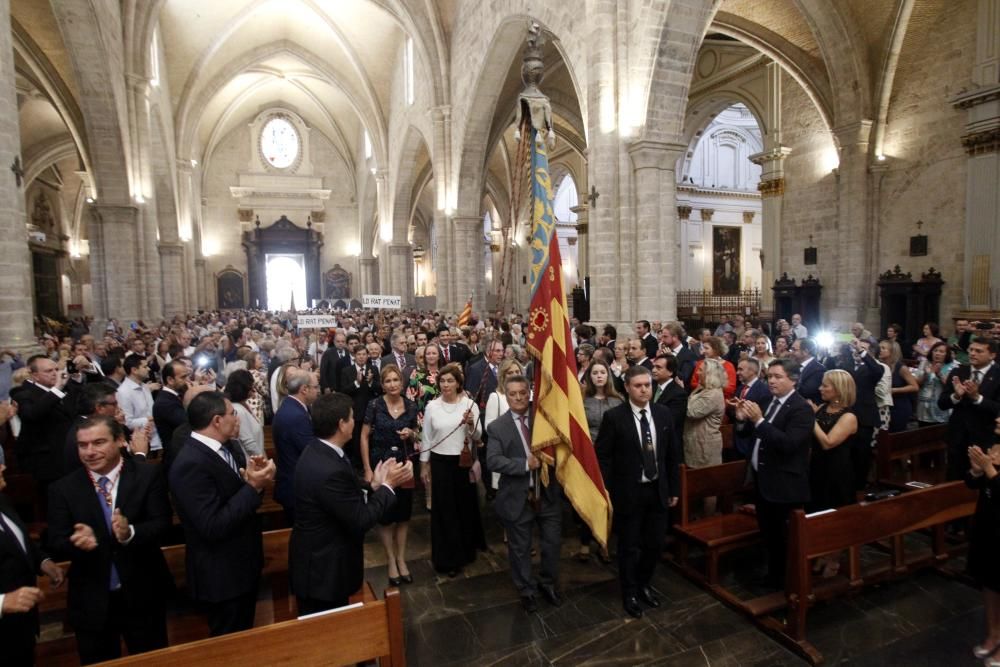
[532, 99]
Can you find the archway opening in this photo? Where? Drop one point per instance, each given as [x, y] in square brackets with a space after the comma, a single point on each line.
[286, 281]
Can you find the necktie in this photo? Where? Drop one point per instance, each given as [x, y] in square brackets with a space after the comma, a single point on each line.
[230, 459]
[447, 357]
[656, 396]
[746, 390]
[771, 410]
[104, 486]
[493, 369]
[399, 361]
[8, 526]
[977, 376]
[526, 432]
[648, 453]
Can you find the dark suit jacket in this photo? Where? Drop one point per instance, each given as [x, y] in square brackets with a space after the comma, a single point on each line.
[142, 499]
[686, 360]
[168, 414]
[675, 399]
[505, 455]
[783, 458]
[219, 513]
[457, 353]
[293, 430]
[329, 368]
[409, 362]
[480, 383]
[17, 569]
[361, 394]
[45, 420]
[326, 551]
[866, 378]
[620, 455]
[651, 345]
[970, 423]
[812, 377]
[759, 394]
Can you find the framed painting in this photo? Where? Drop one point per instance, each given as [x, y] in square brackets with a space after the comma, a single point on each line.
[726, 269]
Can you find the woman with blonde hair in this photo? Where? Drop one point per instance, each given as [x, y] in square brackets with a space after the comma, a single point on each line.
[830, 478]
[705, 408]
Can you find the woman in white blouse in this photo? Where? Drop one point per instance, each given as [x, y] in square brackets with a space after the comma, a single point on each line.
[239, 386]
[449, 421]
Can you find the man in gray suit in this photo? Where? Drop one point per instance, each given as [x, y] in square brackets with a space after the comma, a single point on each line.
[399, 357]
[522, 500]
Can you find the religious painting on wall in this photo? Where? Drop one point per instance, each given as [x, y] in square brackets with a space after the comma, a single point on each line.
[726, 245]
[337, 283]
[229, 284]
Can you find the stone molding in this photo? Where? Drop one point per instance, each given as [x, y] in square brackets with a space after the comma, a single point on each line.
[975, 97]
[774, 187]
[981, 143]
[648, 154]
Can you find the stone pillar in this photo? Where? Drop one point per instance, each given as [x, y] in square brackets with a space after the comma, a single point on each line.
[201, 279]
[981, 280]
[172, 277]
[850, 266]
[467, 262]
[582, 230]
[147, 257]
[16, 299]
[367, 277]
[401, 272]
[652, 232]
[114, 271]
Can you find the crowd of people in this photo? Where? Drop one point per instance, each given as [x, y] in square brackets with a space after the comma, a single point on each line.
[120, 431]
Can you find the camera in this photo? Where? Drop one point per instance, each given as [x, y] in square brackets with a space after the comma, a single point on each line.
[202, 361]
[394, 454]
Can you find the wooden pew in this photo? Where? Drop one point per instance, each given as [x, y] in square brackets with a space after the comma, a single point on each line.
[851, 527]
[371, 631]
[910, 446]
[716, 534]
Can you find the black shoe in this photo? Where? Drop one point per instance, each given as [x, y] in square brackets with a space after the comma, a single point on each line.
[395, 581]
[529, 604]
[648, 597]
[406, 578]
[550, 594]
[632, 607]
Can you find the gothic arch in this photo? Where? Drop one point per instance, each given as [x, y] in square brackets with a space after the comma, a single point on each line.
[406, 180]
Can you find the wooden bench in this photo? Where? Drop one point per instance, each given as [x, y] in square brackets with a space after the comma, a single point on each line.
[849, 528]
[716, 534]
[908, 446]
[373, 630]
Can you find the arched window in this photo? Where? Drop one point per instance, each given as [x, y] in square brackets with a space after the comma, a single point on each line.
[566, 198]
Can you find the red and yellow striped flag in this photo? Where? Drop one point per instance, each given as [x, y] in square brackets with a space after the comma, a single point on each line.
[466, 315]
[559, 428]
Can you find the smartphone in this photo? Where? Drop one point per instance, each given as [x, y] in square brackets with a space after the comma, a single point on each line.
[984, 326]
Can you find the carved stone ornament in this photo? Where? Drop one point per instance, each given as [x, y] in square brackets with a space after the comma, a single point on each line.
[319, 216]
[931, 276]
[684, 212]
[774, 187]
[896, 275]
[246, 214]
[531, 99]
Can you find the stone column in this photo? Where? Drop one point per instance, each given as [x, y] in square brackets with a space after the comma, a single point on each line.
[582, 230]
[147, 257]
[850, 266]
[201, 279]
[172, 276]
[652, 232]
[981, 279]
[16, 299]
[467, 262]
[367, 277]
[114, 271]
[401, 272]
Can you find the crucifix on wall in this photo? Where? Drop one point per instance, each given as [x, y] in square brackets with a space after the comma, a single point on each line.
[592, 197]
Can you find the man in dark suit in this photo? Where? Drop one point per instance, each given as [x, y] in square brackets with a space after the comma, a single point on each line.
[46, 404]
[329, 365]
[608, 336]
[481, 377]
[399, 357]
[811, 371]
[99, 399]
[750, 388]
[522, 500]
[293, 430]
[649, 343]
[108, 518]
[639, 454]
[858, 361]
[332, 512]
[637, 354]
[21, 561]
[168, 407]
[672, 339]
[216, 493]
[361, 382]
[779, 459]
[974, 401]
[668, 393]
[452, 351]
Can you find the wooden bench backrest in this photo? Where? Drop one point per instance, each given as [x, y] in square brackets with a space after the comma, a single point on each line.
[721, 480]
[864, 523]
[372, 631]
[891, 447]
[275, 562]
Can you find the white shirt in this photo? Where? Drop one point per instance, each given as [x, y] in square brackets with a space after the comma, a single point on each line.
[638, 429]
[53, 390]
[212, 444]
[439, 420]
[114, 477]
[136, 401]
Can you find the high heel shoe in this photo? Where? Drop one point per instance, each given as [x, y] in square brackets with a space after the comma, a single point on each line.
[395, 581]
[982, 651]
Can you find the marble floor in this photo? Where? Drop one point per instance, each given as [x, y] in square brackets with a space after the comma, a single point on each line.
[477, 619]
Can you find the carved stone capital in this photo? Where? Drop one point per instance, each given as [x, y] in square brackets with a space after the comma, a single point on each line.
[582, 229]
[774, 187]
[655, 154]
[706, 214]
[684, 212]
[748, 217]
